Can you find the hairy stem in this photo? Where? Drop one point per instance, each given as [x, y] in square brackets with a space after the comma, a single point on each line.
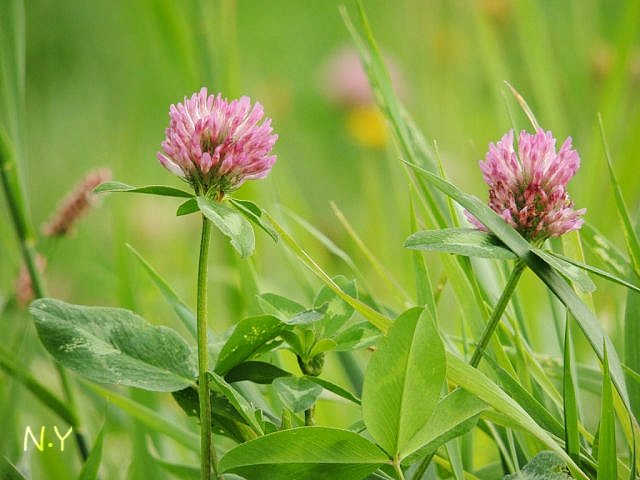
[498, 310]
[208, 459]
[21, 225]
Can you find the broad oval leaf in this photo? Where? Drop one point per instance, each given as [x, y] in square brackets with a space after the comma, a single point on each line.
[403, 381]
[161, 190]
[231, 223]
[461, 241]
[248, 337]
[114, 345]
[297, 393]
[308, 452]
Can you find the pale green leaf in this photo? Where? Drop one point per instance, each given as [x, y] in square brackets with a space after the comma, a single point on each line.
[316, 453]
[114, 345]
[403, 381]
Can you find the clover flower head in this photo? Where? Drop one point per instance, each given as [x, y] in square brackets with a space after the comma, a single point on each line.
[528, 188]
[217, 145]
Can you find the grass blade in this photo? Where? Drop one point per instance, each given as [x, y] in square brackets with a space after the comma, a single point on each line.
[630, 237]
[148, 417]
[92, 465]
[571, 415]
[375, 318]
[607, 465]
[596, 271]
[182, 310]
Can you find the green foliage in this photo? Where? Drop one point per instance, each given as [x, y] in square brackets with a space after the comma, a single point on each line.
[403, 382]
[297, 393]
[544, 466]
[113, 345]
[250, 336]
[308, 452]
[161, 190]
[461, 241]
[231, 223]
[92, 465]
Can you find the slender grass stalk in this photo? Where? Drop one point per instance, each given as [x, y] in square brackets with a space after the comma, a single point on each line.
[17, 209]
[497, 313]
[208, 459]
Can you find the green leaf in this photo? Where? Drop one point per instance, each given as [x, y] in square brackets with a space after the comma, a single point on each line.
[182, 310]
[242, 406]
[606, 251]
[254, 214]
[307, 317]
[544, 466]
[297, 393]
[231, 223]
[113, 345]
[631, 342]
[188, 207]
[256, 372]
[630, 237]
[282, 307]
[607, 459]
[249, 336]
[356, 337]
[454, 415]
[596, 271]
[461, 241]
[568, 270]
[337, 311]
[8, 470]
[337, 389]
[403, 381]
[570, 399]
[316, 453]
[150, 418]
[92, 463]
[161, 190]
[538, 411]
[424, 289]
[226, 420]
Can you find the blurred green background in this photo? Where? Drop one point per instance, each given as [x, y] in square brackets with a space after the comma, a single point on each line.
[102, 74]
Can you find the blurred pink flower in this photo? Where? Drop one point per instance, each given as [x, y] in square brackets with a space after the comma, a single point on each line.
[217, 145]
[345, 83]
[529, 189]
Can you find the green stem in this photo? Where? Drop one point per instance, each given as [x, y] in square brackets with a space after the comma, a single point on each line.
[21, 225]
[498, 310]
[308, 416]
[398, 469]
[207, 451]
